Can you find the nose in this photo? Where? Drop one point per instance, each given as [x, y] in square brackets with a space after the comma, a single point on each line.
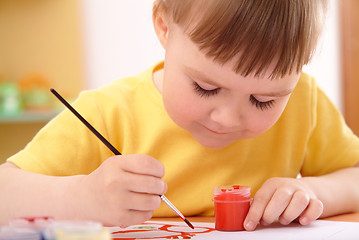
[228, 116]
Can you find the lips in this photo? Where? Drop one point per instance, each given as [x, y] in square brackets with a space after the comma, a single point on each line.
[217, 132]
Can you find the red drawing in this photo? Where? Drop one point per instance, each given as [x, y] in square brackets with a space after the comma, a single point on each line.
[158, 231]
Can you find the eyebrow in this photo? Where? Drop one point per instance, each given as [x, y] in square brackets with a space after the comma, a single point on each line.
[203, 77]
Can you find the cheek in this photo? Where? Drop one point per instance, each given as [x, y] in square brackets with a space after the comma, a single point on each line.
[260, 125]
[260, 121]
[181, 104]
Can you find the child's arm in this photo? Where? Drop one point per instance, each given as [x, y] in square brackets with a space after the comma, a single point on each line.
[308, 198]
[116, 193]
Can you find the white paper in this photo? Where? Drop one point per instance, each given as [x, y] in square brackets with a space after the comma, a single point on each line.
[320, 229]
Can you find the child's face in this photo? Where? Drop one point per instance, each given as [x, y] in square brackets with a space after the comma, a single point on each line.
[213, 103]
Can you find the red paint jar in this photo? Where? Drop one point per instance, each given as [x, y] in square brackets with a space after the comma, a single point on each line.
[231, 205]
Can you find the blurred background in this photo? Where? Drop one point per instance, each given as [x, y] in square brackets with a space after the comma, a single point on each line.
[72, 45]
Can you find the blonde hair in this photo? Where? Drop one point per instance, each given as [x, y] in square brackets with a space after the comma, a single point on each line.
[254, 32]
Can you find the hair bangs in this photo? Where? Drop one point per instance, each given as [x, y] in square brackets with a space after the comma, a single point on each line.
[279, 35]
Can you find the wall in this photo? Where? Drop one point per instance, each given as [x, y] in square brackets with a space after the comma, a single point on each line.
[42, 36]
[119, 38]
[14, 137]
[326, 64]
[349, 10]
[120, 41]
[38, 36]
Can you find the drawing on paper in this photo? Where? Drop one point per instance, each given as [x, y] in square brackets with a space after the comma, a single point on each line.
[158, 231]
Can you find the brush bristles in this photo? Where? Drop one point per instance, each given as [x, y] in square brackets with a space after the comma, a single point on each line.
[188, 223]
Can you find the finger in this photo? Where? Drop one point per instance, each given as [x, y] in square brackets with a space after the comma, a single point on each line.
[145, 184]
[297, 205]
[143, 202]
[313, 212]
[132, 217]
[277, 205]
[260, 201]
[142, 164]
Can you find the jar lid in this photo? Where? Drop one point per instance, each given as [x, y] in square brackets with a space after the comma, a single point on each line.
[232, 193]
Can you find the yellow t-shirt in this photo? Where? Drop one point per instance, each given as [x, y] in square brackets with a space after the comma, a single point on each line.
[310, 138]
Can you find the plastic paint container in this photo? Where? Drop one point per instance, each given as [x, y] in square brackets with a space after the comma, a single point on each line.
[10, 233]
[81, 230]
[46, 228]
[231, 205]
[38, 223]
[41, 225]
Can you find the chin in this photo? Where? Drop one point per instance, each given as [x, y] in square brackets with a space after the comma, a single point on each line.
[216, 144]
[222, 143]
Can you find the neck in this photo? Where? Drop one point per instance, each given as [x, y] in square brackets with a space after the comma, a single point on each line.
[157, 78]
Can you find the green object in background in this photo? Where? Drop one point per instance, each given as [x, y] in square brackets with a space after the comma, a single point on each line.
[37, 99]
[10, 99]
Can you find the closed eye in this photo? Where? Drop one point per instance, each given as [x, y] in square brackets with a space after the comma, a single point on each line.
[261, 105]
[204, 92]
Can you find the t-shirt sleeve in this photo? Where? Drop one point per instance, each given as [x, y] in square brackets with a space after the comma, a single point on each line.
[65, 146]
[332, 145]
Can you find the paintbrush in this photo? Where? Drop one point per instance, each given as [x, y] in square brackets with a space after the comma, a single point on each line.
[114, 150]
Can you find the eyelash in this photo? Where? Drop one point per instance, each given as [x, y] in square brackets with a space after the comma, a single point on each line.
[204, 92]
[208, 93]
[261, 105]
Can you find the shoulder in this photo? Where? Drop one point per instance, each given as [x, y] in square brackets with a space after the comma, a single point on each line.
[121, 98]
[309, 97]
[303, 100]
[121, 90]
[307, 103]
[308, 92]
[306, 87]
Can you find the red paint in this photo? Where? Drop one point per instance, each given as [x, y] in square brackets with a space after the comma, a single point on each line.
[31, 222]
[166, 228]
[231, 205]
[33, 219]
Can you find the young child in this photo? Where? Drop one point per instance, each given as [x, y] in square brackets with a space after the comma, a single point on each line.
[229, 105]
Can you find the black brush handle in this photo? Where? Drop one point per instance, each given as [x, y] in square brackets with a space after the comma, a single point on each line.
[87, 124]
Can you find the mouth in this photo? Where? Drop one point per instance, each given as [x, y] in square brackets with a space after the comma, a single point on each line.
[217, 132]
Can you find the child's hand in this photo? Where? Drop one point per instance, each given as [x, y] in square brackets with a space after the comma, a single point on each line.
[123, 191]
[284, 199]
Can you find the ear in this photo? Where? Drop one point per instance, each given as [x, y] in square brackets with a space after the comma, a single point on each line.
[160, 23]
